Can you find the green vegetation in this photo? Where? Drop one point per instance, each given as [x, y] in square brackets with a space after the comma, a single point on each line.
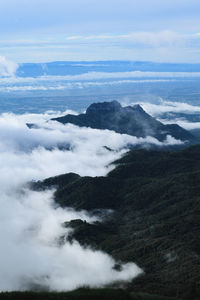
[82, 294]
[155, 197]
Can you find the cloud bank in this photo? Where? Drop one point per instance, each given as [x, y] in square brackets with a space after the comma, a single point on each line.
[31, 223]
[31, 255]
[85, 154]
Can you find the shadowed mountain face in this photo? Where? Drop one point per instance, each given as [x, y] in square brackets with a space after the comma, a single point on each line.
[132, 120]
[155, 198]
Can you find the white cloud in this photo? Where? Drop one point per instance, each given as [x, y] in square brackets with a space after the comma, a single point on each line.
[28, 148]
[76, 85]
[153, 39]
[32, 88]
[183, 123]
[172, 108]
[7, 67]
[59, 82]
[31, 223]
[30, 226]
[169, 106]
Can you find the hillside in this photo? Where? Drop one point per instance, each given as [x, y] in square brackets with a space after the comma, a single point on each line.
[155, 198]
[128, 120]
[81, 294]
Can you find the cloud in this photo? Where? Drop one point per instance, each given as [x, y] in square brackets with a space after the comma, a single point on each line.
[137, 45]
[33, 88]
[153, 39]
[31, 255]
[169, 106]
[76, 85]
[7, 67]
[88, 80]
[183, 123]
[131, 74]
[34, 149]
[31, 223]
[172, 109]
[44, 83]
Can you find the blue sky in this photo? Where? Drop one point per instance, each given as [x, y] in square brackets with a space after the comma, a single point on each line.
[49, 30]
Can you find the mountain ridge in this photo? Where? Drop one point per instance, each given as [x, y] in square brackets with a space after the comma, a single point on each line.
[154, 196]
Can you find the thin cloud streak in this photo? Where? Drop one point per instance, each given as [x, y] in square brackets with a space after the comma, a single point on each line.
[153, 39]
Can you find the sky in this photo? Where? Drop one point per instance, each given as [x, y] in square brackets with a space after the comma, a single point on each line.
[56, 30]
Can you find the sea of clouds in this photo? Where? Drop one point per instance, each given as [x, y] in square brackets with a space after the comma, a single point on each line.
[31, 222]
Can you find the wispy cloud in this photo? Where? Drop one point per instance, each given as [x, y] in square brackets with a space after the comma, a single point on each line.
[87, 80]
[77, 85]
[7, 67]
[90, 76]
[171, 110]
[164, 45]
[153, 39]
[169, 106]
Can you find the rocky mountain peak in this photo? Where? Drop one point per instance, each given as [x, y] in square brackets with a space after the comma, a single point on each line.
[107, 107]
[138, 108]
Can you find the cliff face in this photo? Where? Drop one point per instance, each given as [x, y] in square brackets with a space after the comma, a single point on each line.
[132, 120]
[155, 197]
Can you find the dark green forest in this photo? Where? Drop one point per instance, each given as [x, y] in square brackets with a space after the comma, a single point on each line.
[155, 220]
[82, 294]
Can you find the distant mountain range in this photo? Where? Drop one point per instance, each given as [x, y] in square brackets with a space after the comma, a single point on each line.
[80, 67]
[155, 198]
[132, 120]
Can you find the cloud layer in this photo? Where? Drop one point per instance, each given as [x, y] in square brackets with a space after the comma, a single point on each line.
[11, 84]
[31, 255]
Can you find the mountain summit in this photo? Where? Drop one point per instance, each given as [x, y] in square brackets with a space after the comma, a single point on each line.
[132, 120]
